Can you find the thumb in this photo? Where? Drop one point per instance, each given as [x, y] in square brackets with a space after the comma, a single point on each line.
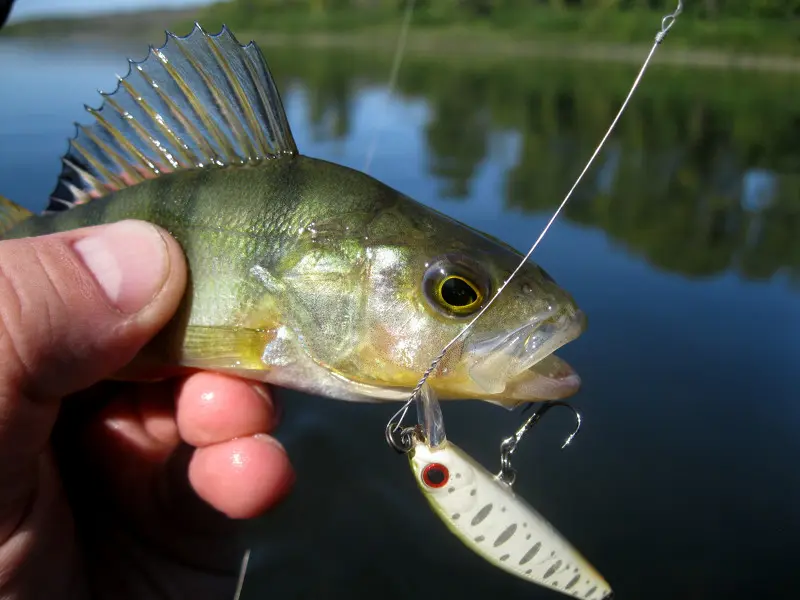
[74, 308]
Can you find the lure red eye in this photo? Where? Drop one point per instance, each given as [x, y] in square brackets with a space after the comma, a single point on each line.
[435, 475]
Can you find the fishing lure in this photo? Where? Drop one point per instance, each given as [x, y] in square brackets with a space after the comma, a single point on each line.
[483, 511]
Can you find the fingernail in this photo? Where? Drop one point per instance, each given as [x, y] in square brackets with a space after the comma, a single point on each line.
[263, 437]
[130, 262]
[271, 400]
[259, 389]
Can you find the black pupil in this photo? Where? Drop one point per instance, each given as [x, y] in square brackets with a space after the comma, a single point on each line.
[435, 475]
[457, 292]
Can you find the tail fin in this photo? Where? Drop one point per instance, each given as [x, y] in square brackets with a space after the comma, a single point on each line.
[11, 214]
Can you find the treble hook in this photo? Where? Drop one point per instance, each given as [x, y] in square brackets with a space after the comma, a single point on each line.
[397, 436]
[507, 473]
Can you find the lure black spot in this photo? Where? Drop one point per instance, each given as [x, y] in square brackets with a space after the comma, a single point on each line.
[482, 514]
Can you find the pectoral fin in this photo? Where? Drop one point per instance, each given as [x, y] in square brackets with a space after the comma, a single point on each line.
[218, 348]
[199, 349]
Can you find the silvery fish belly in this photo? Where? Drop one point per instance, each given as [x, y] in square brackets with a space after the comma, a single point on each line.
[486, 515]
[303, 273]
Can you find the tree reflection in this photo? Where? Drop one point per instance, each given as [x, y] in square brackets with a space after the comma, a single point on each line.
[701, 176]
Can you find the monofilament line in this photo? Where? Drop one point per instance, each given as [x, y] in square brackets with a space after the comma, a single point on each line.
[242, 573]
[666, 24]
[398, 58]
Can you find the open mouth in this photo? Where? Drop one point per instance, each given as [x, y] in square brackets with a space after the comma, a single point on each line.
[521, 365]
[549, 379]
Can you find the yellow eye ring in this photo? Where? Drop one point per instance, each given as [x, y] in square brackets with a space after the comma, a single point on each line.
[455, 285]
[458, 294]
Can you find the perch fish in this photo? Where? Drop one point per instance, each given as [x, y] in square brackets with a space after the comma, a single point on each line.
[303, 273]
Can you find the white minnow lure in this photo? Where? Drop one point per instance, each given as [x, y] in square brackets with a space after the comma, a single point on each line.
[488, 517]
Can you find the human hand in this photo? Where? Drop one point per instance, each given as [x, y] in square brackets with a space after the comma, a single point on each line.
[106, 490]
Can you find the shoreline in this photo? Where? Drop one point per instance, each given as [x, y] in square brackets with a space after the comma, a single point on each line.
[449, 45]
[459, 46]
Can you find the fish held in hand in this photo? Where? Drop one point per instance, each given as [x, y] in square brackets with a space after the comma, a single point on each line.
[303, 273]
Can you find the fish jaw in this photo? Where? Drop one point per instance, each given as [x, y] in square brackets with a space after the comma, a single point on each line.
[521, 362]
[517, 367]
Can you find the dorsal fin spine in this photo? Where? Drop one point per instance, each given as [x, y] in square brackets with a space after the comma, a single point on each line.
[155, 117]
[279, 124]
[216, 133]
[115, 182]
[199, 101]
[235, 121]
[250, 112]
[126, 145]
[81, 197]
[180, 147]
[122, 161]
[90, 179]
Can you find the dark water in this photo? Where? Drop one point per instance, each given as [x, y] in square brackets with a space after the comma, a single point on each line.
[683, 247]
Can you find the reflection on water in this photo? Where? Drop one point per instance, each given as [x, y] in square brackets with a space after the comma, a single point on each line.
[681, 247]
[702, 175]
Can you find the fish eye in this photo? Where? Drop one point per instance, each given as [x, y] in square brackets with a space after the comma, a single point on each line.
[455, 287]
[458, 292]
[435, 475]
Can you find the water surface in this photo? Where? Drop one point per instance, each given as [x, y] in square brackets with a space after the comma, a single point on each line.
[682, 247]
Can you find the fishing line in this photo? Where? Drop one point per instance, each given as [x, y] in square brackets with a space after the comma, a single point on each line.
[242, 573]
[398, 58]
[666, 24]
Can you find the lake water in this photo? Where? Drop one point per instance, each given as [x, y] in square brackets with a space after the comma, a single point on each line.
[683, 247]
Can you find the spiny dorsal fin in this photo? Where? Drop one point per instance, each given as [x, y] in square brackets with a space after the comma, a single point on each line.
[11, 214]
[198, 101]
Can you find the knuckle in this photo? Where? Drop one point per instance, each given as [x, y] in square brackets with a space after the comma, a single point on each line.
[30, 301]
[11, 311]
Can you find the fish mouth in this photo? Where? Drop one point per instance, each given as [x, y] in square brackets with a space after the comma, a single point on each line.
[551, 378]
[521, 365]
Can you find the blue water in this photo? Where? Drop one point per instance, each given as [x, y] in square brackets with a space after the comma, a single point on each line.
[684, 481]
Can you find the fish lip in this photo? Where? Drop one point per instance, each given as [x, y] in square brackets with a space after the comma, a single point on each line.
[541, 383]
[521, 364]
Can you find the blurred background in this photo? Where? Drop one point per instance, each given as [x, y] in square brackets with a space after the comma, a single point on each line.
[682, 245]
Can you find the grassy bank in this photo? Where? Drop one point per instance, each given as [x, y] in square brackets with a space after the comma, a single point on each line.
[540, 23]
[592, 34]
